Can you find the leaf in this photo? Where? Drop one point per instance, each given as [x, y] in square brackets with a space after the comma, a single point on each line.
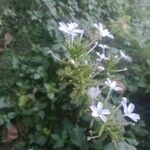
[11, 115]
[41, 140]
[119, 146]
[5, 103]
[51, 95]
[125, 146]
[78, 138]
[22, 100]
[64, 135]
[15, 62]
[46, 131]
[41, 114]
[1, 49]
[1, 120]
[37, 76]
[59, 143]
[109, 146]
[132, 141]
[8, 39]
[55, 137]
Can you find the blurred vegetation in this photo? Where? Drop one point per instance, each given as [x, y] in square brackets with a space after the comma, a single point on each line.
[30, 95]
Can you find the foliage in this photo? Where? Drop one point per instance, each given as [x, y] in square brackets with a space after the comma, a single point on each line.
[35, 92]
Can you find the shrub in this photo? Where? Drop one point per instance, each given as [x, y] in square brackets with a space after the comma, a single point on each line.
[43, 100]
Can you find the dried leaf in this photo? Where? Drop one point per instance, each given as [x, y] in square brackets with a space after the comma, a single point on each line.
[8, 39]
[1, 49]
[22, 130]
[10, 135]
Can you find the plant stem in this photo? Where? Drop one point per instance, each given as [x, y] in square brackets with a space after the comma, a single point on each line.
[108, 95]
[55, 56]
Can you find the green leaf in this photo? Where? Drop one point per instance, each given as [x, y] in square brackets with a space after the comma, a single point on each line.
[37, 76]
[59, 143]
[23, 99]
[15, 62]
[119, 146]
[78, 138]
[41, 140]
[132, 141]
[51, 95]
[41, 114]
[5, 103]
[11, 115]
[125, 146]
[1, 120]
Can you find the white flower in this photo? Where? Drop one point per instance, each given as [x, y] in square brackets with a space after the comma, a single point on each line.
[100, 68]
[103, 46]
[103, 31]
[113, 85]
[71, 29]
[124, 56]
[129, 109]
[98, 111]
[86, 62]
[94, 92]
[72, 61]
[102, 56]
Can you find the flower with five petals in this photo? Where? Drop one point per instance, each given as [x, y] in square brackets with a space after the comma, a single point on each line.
[113, 85]
[93, 92]
[71, 29]
[103, 31]
[98, 111]
[128, 110]
[125, 57]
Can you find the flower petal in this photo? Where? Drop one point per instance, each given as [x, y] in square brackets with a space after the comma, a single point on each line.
[124, 104]
[78, 31]
[63, 27]
[93, 108]
[72, 26]
[124, 56]
[103, 118]
[118, 88]
[103, 46]
[106, 111]
[96, 26]
[94, 114]
[131, 107]
[110, 36]
[100, 25]
[124, 99]
[135, 117]
[113, 84]
[99, 107]
[94, 92]
[109, 81]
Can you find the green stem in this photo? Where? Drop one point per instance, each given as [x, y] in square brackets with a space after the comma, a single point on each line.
[108, 95]
[102, 130]
[117, 108]
[55, 56]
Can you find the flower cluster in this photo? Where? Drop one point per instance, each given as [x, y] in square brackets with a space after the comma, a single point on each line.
[71, 29]
[97, 111]
[101, 106]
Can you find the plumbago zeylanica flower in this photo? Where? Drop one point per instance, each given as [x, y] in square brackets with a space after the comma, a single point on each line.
[98, 111]
[90, 71]
[71, 29]
[128, 110]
